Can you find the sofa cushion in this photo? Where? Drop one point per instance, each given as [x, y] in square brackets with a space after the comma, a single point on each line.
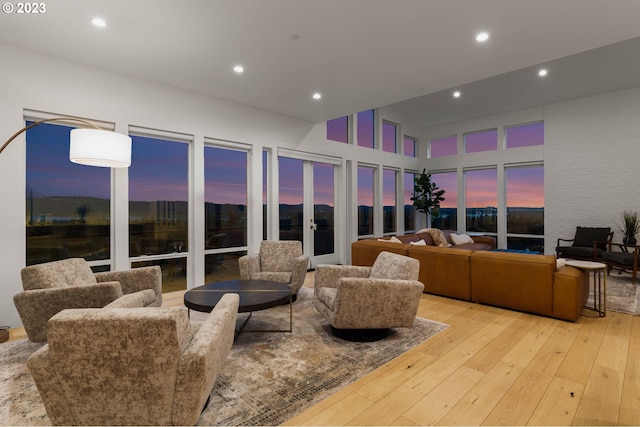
[418, 243]
[408, 238]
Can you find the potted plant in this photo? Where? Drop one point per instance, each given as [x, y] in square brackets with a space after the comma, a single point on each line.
[629, 227]
[427, 196]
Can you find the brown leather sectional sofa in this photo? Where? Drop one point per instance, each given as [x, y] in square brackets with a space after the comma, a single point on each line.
[523, 282]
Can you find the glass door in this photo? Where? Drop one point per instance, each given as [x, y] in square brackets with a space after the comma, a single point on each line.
[307, 192]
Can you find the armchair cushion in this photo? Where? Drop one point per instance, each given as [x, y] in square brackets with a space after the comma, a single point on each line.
[276, 276]
[586, 236]
[57, 274]
[280, 261]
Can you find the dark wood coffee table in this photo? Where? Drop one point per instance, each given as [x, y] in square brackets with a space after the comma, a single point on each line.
[254, 295]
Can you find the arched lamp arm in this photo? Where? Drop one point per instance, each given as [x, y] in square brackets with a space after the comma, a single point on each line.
[54, 119]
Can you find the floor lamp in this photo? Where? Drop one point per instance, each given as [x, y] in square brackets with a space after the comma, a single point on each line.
[92, 147]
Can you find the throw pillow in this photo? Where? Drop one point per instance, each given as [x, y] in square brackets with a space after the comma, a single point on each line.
[418, 243]
[438, 237]
[460, 239]
[393, 239]
[560, 262]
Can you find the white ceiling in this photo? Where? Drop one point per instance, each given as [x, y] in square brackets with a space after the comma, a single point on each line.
[359, 54]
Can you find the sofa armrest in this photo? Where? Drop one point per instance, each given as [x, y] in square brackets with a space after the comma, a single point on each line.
[376, 303]
[329, 275]
[570, 292]
[36, 307]
[485, 239]
[202, 360]
[137, 279]
[248, 264]
[136, 299]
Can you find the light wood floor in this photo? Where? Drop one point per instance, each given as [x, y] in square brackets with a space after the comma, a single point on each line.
[495, 367]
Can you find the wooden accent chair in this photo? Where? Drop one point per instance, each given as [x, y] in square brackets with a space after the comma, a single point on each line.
[588, 244]
[624, 260]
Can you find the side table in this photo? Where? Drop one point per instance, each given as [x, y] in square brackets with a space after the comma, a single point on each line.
[599, 281]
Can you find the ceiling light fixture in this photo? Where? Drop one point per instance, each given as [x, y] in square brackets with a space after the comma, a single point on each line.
[543, 72]
[99, 22]
[482, 37]
[456, 94]
[238, 69]
[316, 95]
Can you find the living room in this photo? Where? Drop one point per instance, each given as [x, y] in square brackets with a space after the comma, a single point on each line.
[589, 154]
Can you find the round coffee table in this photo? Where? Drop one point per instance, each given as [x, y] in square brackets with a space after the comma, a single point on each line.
[254, 295]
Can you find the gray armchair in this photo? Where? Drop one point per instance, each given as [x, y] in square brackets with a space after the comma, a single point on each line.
[280, 261]
[363, 303]
[132, 366]
[53, 286]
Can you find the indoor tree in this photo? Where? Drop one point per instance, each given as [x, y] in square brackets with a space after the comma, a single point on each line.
[427, 196]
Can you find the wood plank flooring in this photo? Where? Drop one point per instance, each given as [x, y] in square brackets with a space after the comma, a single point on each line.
[494, 367]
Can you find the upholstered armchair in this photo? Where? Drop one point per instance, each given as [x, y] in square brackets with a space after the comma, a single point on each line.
[53, 286]
[132, 366]
[588, 244]
[281, 261]
[363, 303]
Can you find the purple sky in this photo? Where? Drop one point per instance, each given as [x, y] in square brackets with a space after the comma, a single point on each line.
[481, 141]
[444, 146]
[389, 138]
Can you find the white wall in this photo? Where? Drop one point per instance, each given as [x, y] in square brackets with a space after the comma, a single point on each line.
[591, 155]
[592, 163]
[37, 82]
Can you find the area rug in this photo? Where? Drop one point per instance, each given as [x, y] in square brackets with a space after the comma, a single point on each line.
[622, 295]
[267, 378]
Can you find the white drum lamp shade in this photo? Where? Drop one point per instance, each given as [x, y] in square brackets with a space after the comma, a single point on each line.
[103, 148]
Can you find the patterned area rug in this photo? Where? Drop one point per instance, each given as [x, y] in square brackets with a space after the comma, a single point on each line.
[622, 295]
[267, 378]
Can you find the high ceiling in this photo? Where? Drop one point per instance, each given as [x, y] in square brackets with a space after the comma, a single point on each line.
[359, 54]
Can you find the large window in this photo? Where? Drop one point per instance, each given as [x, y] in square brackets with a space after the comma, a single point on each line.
[338, 129]
[365, 125]
[410, 146]
[409, 209]
[158, 207]
[525, 135]
[525, 207]
[486, 140]
[443, 147]
[481, 200]
[68, 205]
[447, 218]
[365, 200]
[389, 137]
[291, 198]
[225, 210]
[389, 196]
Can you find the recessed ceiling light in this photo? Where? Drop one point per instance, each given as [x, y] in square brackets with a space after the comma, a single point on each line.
[456, 94]
[239, 69]
[99, 22]
[543, 72]
[482, 37]
[316, 95]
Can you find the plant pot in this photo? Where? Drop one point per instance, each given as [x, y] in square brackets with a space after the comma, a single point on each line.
[629, 240]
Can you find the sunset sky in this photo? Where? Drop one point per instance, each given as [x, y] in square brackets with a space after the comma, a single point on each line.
[159, 172]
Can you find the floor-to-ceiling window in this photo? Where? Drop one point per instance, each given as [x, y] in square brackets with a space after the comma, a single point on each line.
[158, 206]
[481, 200]
[366, 187]
[226, 213]
[68, 205]
[389, 200]
[291, 195]
[447, 218]
[409, 209]
[524, 188]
